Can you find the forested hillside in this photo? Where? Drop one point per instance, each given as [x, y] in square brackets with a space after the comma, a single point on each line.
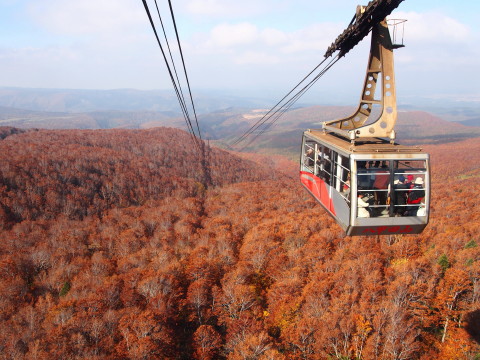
[83, 173]
[120, 244]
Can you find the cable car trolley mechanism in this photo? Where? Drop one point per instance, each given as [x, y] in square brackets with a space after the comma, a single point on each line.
[370, 184]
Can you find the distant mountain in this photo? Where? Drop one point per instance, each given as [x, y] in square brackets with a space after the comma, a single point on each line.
[471, 122]
[413, 127]
[410, 124]
[424, 126]
[91, 120]
[79, 101]
[218, 118]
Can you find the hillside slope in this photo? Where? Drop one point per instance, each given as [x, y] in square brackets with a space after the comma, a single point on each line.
[250, 268]
[82, 172]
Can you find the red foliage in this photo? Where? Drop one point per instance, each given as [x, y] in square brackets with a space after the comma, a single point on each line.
[112, 248]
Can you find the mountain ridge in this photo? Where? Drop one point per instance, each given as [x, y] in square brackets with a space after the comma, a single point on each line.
[228, 123]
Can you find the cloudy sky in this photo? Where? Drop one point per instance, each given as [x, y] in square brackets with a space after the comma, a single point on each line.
[254, 46]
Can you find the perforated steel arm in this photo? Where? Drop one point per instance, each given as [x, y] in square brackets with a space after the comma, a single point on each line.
[380, 67]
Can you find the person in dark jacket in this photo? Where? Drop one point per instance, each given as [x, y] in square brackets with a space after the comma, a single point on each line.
[400, 195]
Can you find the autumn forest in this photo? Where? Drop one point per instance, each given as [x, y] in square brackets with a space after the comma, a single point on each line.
[131, 244]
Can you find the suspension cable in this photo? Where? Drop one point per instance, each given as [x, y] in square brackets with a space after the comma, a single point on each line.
[176, 88]
[277, 111]
[184, 68]
[255, 126]
[182, 98]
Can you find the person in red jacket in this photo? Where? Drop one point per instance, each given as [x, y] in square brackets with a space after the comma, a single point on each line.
[382, 180]
[415, 197]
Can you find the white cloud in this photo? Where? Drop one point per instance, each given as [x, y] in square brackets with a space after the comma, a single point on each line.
[88, 17]
[226, 35]
[433, 27]
[273, 37]
[236, 37]
[438, 42]
[316, 37]
[246, 44]
[109, 43]
[253, 57]
[230, 8]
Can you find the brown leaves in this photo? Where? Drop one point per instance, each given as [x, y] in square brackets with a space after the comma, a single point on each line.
[207, 342]
[252, 270]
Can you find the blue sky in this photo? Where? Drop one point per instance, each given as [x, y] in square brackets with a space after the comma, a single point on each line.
[253, 46]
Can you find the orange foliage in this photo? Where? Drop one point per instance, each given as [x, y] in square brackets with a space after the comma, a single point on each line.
[113, 248]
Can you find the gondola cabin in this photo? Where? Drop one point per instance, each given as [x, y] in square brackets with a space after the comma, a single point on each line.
[371, 187]
[352, 166]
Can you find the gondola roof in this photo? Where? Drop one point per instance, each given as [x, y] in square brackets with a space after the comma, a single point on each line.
[362, 145]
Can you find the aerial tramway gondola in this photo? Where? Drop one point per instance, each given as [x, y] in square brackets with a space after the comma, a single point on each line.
[370, 184]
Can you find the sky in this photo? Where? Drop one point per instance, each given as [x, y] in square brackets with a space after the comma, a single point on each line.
[257, 47]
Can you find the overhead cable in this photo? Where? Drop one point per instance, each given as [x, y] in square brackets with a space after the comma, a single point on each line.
[255, 126]
[176, 87]
[358, 28]
[184, 68]
[277, 111]
[182, 98]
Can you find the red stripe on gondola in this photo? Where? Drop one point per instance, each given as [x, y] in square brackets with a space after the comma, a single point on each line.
[318, 188]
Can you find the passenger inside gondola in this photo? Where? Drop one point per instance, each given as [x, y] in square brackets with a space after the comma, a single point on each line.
[400, 195]
[376, 180]
[309, 155]
[363, 177]
[409, 181]
[422, 210]
[415, 197]
[409, 188]
[346, 187]
[372, 165]
[380, 185]
[363, 206]
[325, 166]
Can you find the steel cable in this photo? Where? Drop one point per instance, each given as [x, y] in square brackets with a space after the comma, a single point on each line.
[285, 106]
[177, 92]
[255, 126]
[182, 98]
[184, 68]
